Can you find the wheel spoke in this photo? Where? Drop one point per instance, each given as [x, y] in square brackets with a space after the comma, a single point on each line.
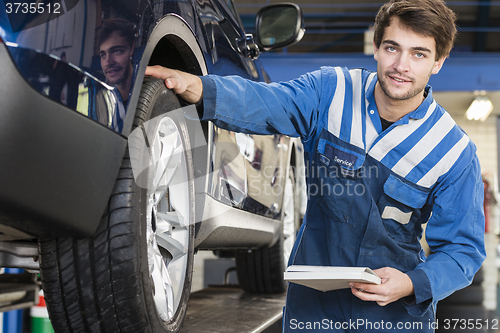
[180, 201]
[171, 306]
[167, 153]
[168, 219]
[158, 195]
[169, 174]
[173, 246]
[159, 274]
[161, 152]
[176, 271]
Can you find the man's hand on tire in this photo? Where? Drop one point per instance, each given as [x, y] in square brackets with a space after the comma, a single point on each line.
[189, 87]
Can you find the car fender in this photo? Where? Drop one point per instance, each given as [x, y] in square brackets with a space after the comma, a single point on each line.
[169, 25]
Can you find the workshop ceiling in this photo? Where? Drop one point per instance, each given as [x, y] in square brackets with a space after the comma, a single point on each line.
[457, 103]
[334, 26]
[339, 26]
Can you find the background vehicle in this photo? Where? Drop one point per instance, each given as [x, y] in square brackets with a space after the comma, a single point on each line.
[115, 255]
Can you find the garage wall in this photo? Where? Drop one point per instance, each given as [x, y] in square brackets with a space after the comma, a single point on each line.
[484, 135]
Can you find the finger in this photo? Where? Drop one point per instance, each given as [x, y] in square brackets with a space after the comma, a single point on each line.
[363, 294]
[166, 74]
[171, 83]
[380, 271]
[156, 71]
[367, 287]
[383, 303]
[160, 72]
[356, 285]
[366, 296]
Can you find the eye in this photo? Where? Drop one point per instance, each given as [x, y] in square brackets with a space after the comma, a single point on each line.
[391, 49]
[102, 55]
[419, 55]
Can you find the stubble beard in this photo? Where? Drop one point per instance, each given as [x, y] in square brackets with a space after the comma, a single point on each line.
[412, 92]
[122, 79]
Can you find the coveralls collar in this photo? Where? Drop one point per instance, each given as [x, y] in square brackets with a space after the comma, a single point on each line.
[418, 113]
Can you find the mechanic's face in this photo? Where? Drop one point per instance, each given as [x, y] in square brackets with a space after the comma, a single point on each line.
[405, 62]
[115, 55]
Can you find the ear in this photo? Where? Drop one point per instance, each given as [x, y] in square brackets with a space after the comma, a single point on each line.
[437, 65]
[132, 50]
[375, 51]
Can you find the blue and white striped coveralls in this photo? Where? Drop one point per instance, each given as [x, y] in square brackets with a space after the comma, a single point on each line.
[370, 192]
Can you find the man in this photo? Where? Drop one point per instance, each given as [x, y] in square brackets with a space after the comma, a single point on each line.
[383, 158]
[116, 47]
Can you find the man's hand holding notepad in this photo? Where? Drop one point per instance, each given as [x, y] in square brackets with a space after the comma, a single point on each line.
[326, 278]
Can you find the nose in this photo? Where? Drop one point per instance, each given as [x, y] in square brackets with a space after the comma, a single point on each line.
[403, 63]
[107, 60]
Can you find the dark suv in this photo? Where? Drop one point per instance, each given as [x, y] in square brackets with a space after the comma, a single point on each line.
[109, 183]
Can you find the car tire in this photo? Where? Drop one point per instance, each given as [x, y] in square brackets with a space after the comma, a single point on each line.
[261, 270]
[134, 274]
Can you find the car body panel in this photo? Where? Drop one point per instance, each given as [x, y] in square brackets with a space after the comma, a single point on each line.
[55, 164]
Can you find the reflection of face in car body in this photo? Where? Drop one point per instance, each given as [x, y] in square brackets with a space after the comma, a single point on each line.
[115, 59]
[115, 51]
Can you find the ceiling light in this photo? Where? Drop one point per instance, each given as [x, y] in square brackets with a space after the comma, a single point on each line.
[479, 109]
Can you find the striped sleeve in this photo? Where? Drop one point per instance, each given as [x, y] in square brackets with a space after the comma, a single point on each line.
[290, 108]
[455, 230]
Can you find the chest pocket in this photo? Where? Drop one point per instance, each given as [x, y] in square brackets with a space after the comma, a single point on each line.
[337, 181]
[399, 207]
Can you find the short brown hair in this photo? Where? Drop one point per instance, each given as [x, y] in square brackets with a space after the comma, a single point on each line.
[124, 28]
[430, 18]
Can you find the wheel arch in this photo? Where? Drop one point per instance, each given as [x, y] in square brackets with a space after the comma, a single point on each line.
[173, 44]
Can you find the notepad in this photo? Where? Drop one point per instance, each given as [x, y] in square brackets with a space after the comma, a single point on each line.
[326, 278]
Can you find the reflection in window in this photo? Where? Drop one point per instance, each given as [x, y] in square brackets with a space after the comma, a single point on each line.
[67, 85]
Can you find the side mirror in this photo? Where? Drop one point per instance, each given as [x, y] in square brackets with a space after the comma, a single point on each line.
[278, 26]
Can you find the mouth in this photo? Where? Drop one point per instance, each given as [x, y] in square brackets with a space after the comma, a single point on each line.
[113, 71]
[398, 79]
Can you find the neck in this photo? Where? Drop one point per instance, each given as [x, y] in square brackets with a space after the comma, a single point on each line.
[124, 87]
[393, 109]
